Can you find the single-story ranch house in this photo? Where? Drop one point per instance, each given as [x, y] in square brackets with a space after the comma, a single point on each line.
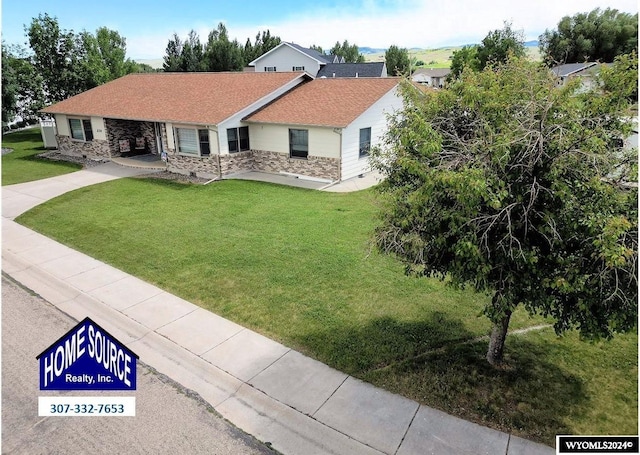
[216, 124]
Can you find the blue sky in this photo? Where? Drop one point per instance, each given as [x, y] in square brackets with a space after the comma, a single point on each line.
[148, 24]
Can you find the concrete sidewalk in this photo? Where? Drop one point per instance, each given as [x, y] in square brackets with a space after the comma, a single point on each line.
[297, 404]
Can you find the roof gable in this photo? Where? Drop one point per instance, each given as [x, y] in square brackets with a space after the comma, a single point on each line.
[334, 102]
[202, 98]
[322, 59]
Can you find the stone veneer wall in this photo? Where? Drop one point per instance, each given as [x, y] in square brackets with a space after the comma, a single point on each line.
[234, 163]
[129, 129]
[314, 166]
[205, 167]
[95, 148]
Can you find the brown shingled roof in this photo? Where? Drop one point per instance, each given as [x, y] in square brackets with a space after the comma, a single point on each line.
[203, 98]
[325, 102]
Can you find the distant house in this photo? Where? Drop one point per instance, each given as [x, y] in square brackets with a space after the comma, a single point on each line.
[432, 77]
[585, 71]
[292, 57]
[216, 124]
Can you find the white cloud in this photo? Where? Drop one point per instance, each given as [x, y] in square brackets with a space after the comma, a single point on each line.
[412, 23]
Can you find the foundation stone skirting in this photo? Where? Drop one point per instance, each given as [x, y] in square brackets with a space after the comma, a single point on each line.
[95, 148]
[204, 167]
[234, 163]
[314, 166]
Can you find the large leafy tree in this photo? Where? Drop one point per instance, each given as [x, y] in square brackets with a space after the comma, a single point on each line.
[499, 45]
[516, 187]
[596, 35]
[57, 58]
[70, 63]
[350, 52]
[105, 56]
[397, 60]
[465, 57]
[21, 85]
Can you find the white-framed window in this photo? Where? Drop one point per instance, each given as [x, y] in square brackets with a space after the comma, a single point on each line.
[365, 141]
[298, 143]
[193, 141]
[269, 69]
[81, 129]
[298, 68]
[238, 139]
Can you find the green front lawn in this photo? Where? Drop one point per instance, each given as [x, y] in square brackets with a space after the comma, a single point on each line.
[22, 165]
[296, 265]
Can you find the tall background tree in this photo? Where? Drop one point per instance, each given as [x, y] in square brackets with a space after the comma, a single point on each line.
[173, 54]
[397, 60]
[68, 63]
[220, 53]
[263, 43]
[350, 52]
[595, 36]
[515, 187]
[495, 48]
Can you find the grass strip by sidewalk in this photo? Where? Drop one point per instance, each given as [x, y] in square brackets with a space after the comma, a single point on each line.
[296, 266]
[22, 164]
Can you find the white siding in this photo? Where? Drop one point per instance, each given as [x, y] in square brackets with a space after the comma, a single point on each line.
[375, 118]
[235, 121]
[62, 125]
[97, 126]
[285, 58]
[323, 142]
[171, 143]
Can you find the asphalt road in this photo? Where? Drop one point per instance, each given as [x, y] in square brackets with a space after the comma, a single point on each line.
[169, 419]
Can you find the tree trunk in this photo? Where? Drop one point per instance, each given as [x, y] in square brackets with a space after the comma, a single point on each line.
[496, 342]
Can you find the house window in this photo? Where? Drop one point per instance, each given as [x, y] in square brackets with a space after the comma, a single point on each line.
[298, 68]
[81, 129]
[192, 141]
[205, 150]
[238, 139]
[298, 143]
[365, 141]
[269, 69]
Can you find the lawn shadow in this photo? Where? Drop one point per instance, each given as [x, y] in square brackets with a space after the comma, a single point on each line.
[437, 363]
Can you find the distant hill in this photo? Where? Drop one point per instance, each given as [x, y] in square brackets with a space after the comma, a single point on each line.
[441, 57]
